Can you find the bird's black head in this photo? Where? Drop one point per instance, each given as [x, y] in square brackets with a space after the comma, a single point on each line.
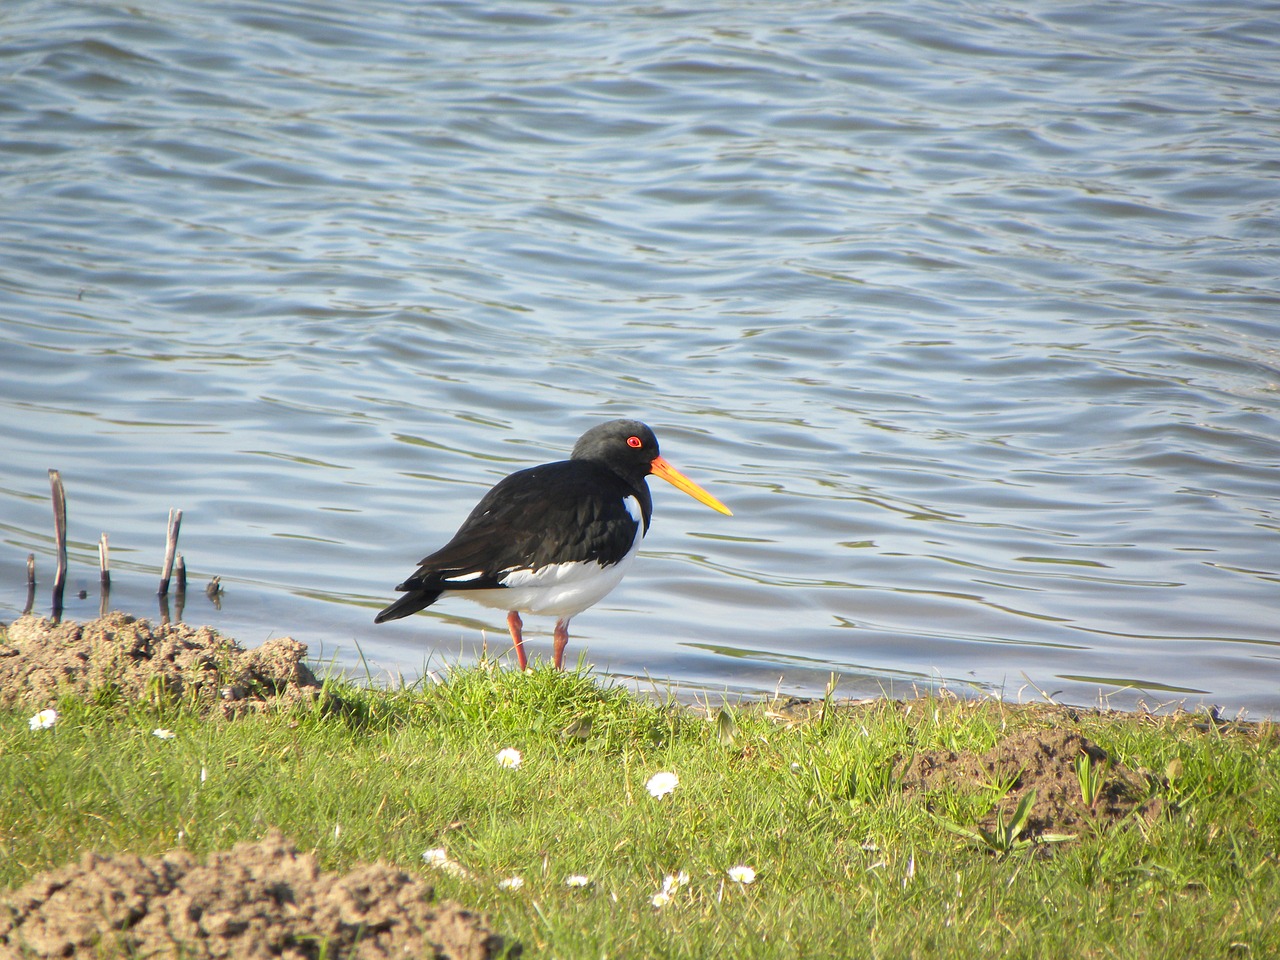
[630, 449]
[627, 446]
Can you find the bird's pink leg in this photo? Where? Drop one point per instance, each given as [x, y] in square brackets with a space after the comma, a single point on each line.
[561, 639]
[514, 625]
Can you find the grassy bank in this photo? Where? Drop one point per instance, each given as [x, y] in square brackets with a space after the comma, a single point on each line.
[851, 856]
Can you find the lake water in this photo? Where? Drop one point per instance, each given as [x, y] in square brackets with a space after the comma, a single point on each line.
[970, 313]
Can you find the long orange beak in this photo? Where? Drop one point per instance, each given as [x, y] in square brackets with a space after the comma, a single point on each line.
[678, 480]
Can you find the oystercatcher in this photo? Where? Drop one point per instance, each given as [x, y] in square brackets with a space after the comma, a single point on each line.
[552, 540]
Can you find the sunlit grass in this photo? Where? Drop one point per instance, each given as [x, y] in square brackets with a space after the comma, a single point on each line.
[540, 798]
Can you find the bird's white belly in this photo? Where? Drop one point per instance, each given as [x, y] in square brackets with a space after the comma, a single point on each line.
[558, 589]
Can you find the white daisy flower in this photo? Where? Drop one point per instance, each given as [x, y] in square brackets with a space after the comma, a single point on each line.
[510, 758]
[672, 882]
[660, 784]
[44, 720]
[741, 874]
[511, 883]
[577, 880]
[163, 734]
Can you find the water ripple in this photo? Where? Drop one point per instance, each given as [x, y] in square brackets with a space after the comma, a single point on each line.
[968, 313]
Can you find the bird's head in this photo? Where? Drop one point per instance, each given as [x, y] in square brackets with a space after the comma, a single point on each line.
[630, 448]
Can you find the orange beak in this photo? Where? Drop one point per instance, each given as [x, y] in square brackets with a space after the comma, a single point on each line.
[667, 472]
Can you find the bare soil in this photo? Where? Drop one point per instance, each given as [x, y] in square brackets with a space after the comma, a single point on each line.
[119, 656]
[1043, 761]
[260, 899]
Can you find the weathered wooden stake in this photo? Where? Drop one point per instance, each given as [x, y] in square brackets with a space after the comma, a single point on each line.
[104, 562]
[180, 593]
[171, 548]
[31, 583]
[60, 535]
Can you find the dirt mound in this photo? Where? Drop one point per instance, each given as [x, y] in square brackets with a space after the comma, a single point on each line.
[119, 655]
[261, 899]
[1043, 761]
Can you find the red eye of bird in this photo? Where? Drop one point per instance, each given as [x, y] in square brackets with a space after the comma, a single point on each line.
[634, 442]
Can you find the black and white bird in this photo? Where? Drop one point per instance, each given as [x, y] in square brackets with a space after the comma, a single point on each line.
[555, 539]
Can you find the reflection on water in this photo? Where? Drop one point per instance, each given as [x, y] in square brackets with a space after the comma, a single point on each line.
[967, 314]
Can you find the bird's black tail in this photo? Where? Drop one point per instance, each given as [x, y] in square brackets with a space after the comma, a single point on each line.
[411, 602]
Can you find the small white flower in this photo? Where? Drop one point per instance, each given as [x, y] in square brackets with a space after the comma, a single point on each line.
[673, 882]
[741, 874]
[441, 860]
[660, 900]
[577, 880]
[510, 758]
[660, 784]
[163, 734]
[43, 720]
[511, 883]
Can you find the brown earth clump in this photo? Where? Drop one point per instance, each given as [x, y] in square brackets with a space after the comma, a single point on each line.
[1043, 761]
[120, 656]
[256, 900]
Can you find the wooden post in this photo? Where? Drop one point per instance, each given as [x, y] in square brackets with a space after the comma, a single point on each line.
[180, 593]
[170, 549]
[60, 535]
[104, 562]
[31, 583]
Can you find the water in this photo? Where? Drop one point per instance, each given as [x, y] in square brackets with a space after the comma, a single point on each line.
[969, 313]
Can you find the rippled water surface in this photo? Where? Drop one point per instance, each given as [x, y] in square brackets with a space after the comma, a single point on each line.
[968, 312]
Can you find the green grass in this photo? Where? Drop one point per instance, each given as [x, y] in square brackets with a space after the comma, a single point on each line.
[847, 863]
